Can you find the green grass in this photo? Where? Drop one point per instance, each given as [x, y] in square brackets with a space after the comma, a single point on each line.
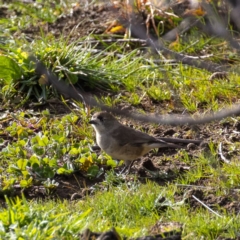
[131, 209]
[36, 145]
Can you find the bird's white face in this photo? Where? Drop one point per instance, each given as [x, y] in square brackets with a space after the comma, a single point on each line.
[102, 122]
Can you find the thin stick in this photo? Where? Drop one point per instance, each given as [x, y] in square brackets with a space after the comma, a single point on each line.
[221, 154]
[206, 206]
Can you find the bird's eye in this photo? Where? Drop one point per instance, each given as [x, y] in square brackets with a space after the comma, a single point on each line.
[100, 118]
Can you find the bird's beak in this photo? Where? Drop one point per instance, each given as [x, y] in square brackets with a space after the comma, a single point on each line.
[92, 122]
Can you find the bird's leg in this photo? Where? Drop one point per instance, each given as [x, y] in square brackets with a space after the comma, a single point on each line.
[127, 167]
[124, 169]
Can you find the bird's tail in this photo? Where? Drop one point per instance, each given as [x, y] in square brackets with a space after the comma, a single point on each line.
[180, 140]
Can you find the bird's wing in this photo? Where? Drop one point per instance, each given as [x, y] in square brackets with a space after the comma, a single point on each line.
[126, 135]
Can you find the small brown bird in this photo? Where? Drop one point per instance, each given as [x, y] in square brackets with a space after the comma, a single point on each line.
[125, 143]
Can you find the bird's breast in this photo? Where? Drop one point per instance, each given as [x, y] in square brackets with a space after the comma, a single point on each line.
[117, 151]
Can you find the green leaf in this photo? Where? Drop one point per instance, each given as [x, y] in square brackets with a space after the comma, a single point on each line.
[111, 163]
[23, 183]
[74, 151]
[64, 171]
[36, 167]
[52, 162]
[73, 78]
[43, 142]
[93, 171]
[48, 172]
[22, 163]
[38, 150]
[9, 70]
[34, 160]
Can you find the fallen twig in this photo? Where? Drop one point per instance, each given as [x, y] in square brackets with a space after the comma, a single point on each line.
[221, 154]
[207, 207]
